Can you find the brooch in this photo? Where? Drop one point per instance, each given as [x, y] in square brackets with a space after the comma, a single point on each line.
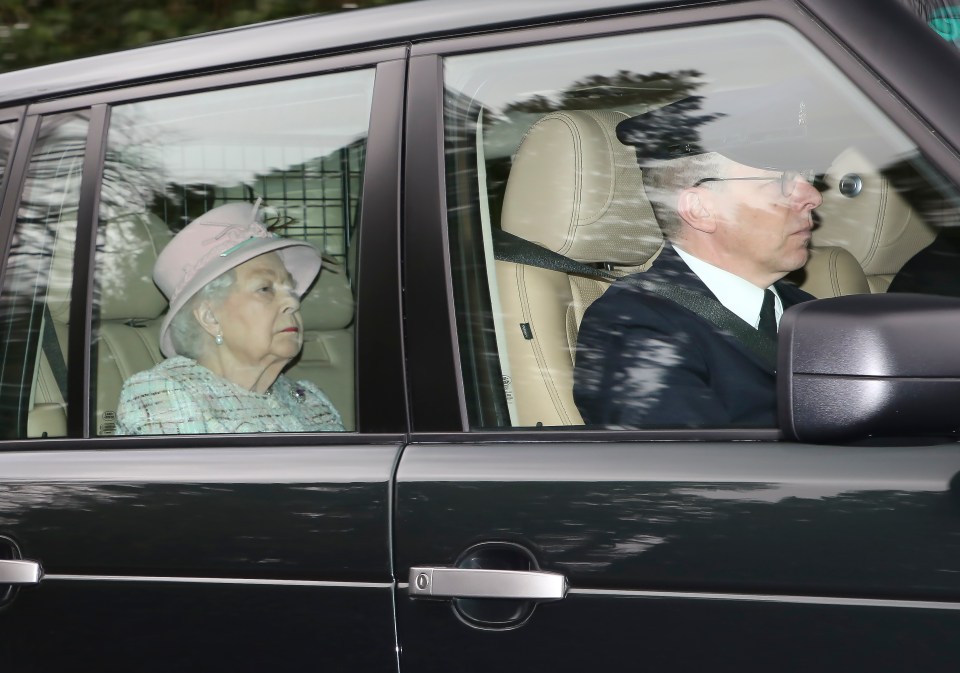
[299, 394]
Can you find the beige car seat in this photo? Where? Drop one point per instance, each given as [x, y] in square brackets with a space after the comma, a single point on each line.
[831, 272]
[327, 358]
[128, 304]
[130, 307]
[574, 189]
[868, 218]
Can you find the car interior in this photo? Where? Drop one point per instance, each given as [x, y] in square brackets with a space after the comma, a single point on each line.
[572, 189]
[131, 309]
[576, 191]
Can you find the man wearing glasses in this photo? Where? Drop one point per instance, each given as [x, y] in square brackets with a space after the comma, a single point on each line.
[692, 341]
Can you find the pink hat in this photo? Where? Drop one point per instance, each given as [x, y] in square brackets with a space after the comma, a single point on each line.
[216, 242]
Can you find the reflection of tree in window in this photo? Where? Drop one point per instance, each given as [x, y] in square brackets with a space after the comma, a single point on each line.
[49, 199]
[39, 269]
[148, 181]
[626, 91]
[132, 179]
[312, 190]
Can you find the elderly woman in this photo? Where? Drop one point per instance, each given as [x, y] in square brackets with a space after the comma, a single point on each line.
[233, 325]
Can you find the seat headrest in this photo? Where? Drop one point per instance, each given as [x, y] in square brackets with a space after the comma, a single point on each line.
[867, 216]
[328, 305]
[125, 267]
[576, 190]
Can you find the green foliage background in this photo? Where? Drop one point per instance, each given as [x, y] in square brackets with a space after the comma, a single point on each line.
[36, 32]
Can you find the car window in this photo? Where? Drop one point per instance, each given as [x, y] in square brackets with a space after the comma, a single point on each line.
[296, 149]
[549, 208]
[36, 286]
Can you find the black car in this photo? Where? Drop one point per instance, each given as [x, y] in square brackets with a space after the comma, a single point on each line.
[458, 167]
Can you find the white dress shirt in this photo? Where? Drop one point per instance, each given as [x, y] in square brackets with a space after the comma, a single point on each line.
[739, 295]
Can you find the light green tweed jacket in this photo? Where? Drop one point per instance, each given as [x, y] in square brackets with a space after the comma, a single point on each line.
[179, 396]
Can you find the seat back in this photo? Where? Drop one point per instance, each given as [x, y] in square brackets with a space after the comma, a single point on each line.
[577, 191]
[327, 358]
[130, 307]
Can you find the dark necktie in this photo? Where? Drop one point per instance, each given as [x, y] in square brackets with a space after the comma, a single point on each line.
[768, 315]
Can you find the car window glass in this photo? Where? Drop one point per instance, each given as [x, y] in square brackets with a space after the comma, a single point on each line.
[7, 135]
[36, 287]
[548, 206]
[296, 148]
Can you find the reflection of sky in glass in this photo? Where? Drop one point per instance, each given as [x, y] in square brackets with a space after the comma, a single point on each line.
[729, 56]
[231, 136]
[42, 254]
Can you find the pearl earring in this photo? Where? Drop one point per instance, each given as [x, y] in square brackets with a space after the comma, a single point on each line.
[218, 339]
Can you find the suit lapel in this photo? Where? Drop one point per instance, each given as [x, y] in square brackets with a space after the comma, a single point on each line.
[669, 267]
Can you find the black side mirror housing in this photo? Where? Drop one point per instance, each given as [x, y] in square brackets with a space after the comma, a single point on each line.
[861, 367]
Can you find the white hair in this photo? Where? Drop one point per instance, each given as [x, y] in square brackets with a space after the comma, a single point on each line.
[186, 332]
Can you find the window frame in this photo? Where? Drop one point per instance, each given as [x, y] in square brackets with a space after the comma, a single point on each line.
[14, 175]
[438, 395]
[24, 147]
[381, 412]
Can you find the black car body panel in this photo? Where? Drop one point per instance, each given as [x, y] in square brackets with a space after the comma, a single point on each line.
[666, 539]
[239, 544]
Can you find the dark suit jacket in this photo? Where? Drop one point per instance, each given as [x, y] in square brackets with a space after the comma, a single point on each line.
[645, 361]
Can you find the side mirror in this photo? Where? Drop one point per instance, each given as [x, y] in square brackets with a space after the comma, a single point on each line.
[865, 366]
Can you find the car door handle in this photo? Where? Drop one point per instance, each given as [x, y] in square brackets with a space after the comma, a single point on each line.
[477, 583]
[20, 572]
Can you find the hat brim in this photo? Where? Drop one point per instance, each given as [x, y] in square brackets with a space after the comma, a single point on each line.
[300, 258]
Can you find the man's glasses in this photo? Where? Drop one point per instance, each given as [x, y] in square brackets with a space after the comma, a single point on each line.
[788, 180]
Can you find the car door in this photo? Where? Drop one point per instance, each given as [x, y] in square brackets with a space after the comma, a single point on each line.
[198, 552]
[529, 541]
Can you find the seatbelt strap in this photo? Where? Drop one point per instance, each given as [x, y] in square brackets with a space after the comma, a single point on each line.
[510, 248]
[51, 348]
[712, 310]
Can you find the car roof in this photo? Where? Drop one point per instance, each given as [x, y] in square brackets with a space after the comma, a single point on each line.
[305, 36]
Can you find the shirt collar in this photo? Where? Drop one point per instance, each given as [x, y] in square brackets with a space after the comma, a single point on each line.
[737, 294]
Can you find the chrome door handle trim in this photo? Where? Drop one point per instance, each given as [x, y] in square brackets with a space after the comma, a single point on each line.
[476, 583]
[20, 572]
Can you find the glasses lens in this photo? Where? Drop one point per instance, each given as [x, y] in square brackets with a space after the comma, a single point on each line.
[789, 180]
